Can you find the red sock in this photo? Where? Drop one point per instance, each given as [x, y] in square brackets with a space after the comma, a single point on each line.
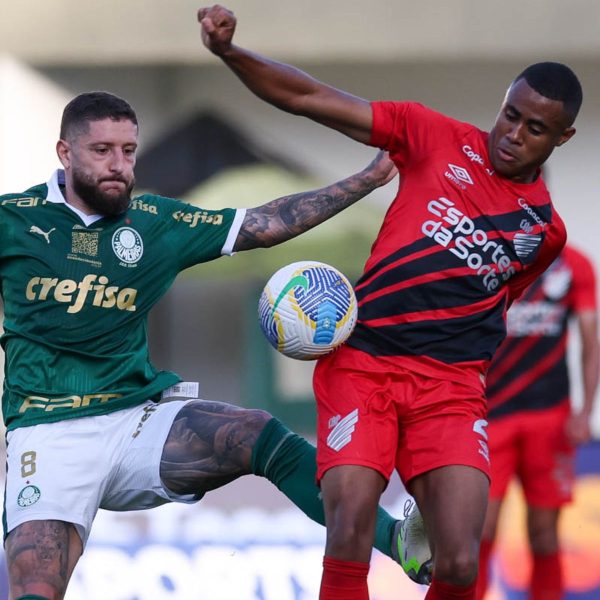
[485, 550]
[344, 580]
[438, 590]
[546, 578]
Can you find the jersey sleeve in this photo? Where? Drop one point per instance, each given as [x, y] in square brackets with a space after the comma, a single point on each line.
[194, 235]
[409, 131]
[584, 280]
[556, 237]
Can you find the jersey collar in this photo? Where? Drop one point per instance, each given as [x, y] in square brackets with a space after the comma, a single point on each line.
[54, 193]
[56, 196]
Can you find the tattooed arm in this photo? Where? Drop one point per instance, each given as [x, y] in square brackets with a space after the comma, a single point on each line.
[282, 219]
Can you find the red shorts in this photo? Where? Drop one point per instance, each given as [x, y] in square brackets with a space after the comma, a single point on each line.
[533, 446]
[373, 414]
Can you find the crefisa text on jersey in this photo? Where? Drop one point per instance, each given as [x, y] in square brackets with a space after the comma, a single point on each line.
[137, 204]
[199, 216]
[75, 293]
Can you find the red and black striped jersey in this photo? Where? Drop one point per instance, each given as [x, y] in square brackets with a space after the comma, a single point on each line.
[529, 371]
[457, 245]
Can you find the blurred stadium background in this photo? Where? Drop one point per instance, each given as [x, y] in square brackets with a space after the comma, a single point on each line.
[204, 138]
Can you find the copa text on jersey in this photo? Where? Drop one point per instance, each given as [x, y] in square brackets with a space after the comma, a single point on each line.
[74, 293]
[486, 257]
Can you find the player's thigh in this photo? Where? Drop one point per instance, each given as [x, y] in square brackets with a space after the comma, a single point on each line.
[453, 502]
[41, 556]
[492, 517]
[352, 490]
[547, 470]
[209, 444]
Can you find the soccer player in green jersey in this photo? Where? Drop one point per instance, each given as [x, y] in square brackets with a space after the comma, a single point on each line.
[81, 265]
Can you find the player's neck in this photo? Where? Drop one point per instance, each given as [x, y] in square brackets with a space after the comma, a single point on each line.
[75, 201]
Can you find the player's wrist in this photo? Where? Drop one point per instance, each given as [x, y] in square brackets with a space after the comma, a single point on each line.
[226, 52]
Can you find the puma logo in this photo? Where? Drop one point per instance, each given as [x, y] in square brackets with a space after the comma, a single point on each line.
[36, 229]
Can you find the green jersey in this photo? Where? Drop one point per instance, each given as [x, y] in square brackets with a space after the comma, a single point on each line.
[77, 292]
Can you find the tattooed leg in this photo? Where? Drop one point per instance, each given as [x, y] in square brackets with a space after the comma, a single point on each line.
[41, 556]
[209, 445]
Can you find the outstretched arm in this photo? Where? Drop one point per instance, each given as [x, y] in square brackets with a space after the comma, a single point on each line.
[284, 86]
[289, 216]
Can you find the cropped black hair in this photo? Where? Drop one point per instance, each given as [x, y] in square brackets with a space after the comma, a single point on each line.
[94, 106]
[555, 81]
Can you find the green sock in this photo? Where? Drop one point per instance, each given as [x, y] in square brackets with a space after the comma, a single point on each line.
[31, 597]
[290, 462]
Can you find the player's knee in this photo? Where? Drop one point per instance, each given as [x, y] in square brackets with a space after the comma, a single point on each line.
[256, 420]
[21, 579]
[343, 534]
[25, 572]
[543, 542]
[350, 526]
[542, 531]
[457, 568]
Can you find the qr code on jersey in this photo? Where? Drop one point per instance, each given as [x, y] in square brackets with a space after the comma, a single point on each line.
[85, 242]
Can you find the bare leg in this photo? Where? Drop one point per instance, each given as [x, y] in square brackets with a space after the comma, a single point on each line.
[350, 497]
[453, 503]
[542, 529]
[491, 520]
[41, 556]
[546, 577]
[487, 545]
[209, 445]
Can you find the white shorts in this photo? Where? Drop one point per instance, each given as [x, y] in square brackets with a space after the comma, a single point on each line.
[65, 471]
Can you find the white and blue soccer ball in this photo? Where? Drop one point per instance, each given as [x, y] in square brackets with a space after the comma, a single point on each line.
[307, 309]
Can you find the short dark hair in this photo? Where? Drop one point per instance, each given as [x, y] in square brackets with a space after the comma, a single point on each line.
[555, 81]
[94, 106]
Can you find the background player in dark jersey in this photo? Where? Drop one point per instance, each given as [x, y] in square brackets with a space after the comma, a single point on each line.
[81, 265]
[533, 429]
[471, 227]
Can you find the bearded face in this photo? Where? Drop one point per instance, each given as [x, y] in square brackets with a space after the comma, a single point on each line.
[108, 196]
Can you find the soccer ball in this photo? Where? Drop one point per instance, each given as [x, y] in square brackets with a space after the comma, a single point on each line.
[307, 309]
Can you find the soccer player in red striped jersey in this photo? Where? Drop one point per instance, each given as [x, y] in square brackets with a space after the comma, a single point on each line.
[471, 227]
[533, 428]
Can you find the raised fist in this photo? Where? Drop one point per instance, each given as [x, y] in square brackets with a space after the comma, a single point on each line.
[218, 24]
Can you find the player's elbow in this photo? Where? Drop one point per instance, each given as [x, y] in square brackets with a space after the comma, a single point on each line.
[274, 239]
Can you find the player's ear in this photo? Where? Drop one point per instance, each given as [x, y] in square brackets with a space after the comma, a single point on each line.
[63, 151]
[568, 133]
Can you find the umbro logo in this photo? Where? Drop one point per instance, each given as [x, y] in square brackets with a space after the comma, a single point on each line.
[44, 234]
[458, 176]
[460, 173]
[341, 434]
